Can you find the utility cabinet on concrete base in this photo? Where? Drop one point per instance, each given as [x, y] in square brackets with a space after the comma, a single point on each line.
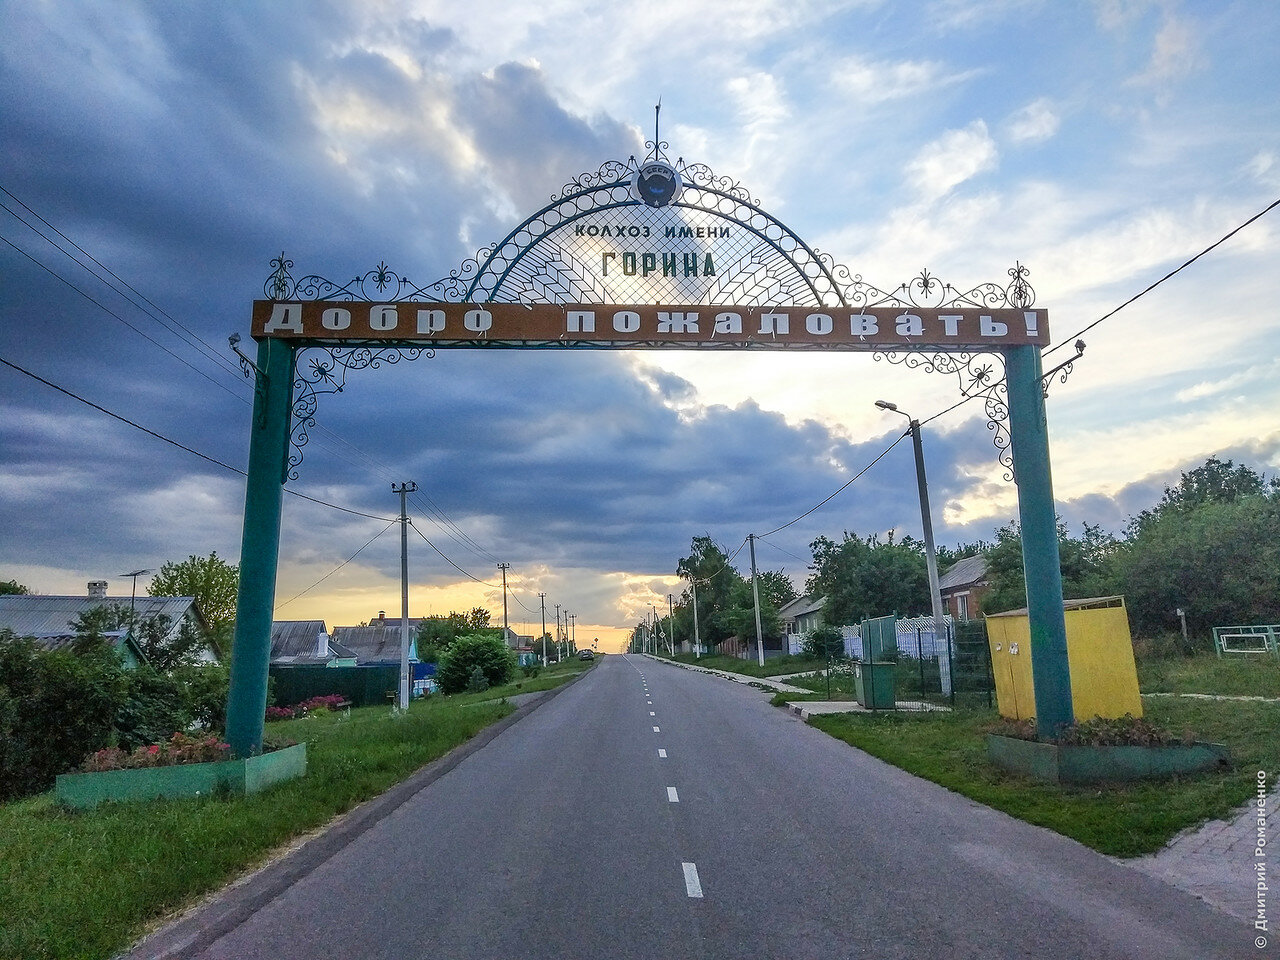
[1104, 677]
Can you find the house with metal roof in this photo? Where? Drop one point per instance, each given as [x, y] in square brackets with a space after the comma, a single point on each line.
[306, 643]
[963, 586]
[374, 645]
[50, 621]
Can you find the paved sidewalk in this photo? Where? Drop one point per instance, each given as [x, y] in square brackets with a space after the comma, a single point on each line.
[769, 682]
[1216, 861]
[805, 709]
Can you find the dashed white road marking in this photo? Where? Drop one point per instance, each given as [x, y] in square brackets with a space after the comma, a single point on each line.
[672, 796]
[692, 885]
[656, 730]
[662, 753]
[652, 714]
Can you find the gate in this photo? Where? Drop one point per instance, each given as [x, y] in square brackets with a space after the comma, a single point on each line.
[647, 254]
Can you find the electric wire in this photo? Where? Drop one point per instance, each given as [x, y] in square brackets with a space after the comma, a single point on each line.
[846, 486]
[1221, 240]
[159, 315]
[338, 567]
[175, 443]
[465, 573]
[145, 336]
[191, 337]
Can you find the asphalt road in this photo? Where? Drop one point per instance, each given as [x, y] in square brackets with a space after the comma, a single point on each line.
[571, 835]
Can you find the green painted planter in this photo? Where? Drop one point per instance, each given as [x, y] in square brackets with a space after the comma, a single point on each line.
[1058, 763]
[87, 790]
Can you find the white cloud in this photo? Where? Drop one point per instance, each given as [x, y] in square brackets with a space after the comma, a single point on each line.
[1175, 54]
[953, 158]
[870, 82]
[1034, 123]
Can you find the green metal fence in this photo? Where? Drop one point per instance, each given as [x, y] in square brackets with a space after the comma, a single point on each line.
[363, 686]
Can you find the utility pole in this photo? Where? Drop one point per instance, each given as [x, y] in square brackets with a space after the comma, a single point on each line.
[543, 598]
[697, 641]
[573, 634]
[671, 618]
[505, 635]
[926, 522]
[558, 632]
[755, 593]
[404, 489]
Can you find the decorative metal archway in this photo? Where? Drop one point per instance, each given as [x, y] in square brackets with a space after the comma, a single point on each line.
[641, 232]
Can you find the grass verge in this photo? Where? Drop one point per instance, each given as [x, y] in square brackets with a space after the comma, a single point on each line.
[86, 885]
[1120, 820]
[773, 667]
[1235, 677]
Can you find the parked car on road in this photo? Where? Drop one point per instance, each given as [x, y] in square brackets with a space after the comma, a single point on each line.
[586, 655]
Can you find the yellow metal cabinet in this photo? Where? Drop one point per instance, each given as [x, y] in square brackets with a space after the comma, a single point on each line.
[1104, 678]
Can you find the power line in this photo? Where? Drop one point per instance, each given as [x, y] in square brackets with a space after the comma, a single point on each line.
[1221, 240]
[155, 312]
[181, 446]
[469, 576]
[783, 550]
[338, 567]
[97, 303]
[823, 503]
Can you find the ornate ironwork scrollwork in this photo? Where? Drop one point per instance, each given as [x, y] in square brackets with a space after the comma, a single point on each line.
[979, 375]
[325, 371]
[1064, 369]
[766, 263]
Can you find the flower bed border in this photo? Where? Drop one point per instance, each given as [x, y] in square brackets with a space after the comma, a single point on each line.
[1080, 763]
[83, 791]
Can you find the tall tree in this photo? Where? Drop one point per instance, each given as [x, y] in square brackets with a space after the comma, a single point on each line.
[709, 565]
[1210, 547]
[9, 587]
[214, 584]
[1215, 481]
[1087, 564]
[868, 577]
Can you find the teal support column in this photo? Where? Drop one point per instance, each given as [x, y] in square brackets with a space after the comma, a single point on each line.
[1029, 442]
[260, 546]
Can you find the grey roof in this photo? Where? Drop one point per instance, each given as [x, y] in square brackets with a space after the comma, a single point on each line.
[964, 572]
[295, 641]
[119, 639]
[370, 644]
[36, 616]
[800, 606]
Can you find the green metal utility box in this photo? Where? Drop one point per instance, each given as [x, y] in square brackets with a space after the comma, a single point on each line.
[875, 684]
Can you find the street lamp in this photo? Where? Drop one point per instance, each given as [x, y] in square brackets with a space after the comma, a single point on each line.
[930, 555]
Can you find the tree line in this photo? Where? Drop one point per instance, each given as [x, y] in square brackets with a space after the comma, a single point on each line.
[1210, 546]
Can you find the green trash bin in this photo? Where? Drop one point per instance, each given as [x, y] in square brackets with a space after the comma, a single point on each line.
[877, 679]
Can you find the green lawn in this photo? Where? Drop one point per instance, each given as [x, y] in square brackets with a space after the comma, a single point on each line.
[949, 749]
[774, 666]
[86, 885]
[1237, 676]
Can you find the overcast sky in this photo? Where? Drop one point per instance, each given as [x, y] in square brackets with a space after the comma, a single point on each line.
[183, 145]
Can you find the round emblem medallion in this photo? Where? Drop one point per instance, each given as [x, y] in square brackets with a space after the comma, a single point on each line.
[656, 183]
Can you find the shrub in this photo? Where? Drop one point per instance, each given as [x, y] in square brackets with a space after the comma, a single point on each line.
[330, 701]
[477, 682]
[822, 642]
[206, 693]
[531, 670]
[154, 707]
[490, 654]
[178, 749]
[55, 707]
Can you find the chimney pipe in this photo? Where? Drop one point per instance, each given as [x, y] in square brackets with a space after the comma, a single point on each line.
[97, 589]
